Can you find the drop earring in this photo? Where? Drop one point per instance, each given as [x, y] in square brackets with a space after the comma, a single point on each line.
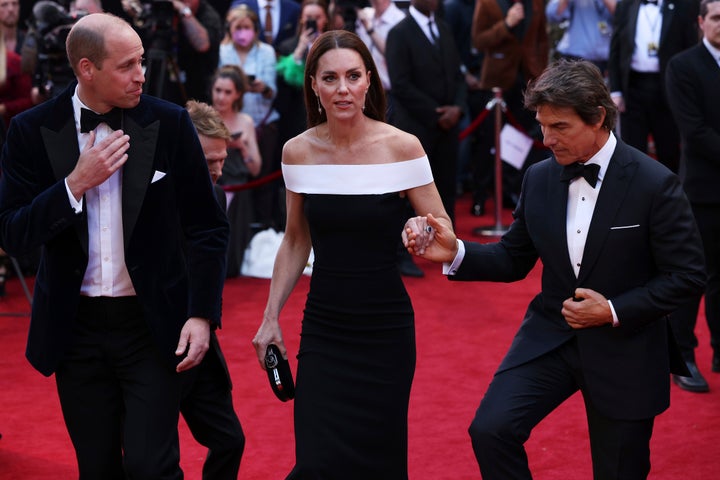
[319, 106]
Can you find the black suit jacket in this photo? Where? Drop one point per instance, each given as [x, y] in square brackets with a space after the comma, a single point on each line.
[423, 77]
[643, 253]
[162, 219]
[692, 82]
[677, 33]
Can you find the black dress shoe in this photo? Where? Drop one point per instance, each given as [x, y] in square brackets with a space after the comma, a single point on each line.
[695, 383]
[716, 364]
[477, 209]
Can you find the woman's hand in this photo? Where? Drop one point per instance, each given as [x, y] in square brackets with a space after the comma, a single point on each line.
[438, 244]
[269, 332]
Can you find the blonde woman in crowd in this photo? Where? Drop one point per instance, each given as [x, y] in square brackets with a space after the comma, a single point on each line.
[243, 162]
[242, 47]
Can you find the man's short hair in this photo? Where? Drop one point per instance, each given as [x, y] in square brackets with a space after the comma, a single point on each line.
[576, 84]
[207, 120]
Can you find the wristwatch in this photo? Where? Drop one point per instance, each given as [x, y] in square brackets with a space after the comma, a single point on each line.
[186, 12]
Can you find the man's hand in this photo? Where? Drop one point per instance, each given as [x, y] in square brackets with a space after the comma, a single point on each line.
[98, 162]
[196, 334]
[449, 116]
[515, 15]
[587, 309]
[437, 245]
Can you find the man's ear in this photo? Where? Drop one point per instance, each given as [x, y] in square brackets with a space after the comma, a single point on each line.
[85, 69]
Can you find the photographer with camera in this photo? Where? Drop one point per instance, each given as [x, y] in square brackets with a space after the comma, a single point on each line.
[182, 40]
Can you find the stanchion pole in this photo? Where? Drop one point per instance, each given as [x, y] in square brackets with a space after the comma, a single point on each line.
[498, 229]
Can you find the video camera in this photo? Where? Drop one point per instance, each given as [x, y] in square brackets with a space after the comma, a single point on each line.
[156, 23]
[43, 53]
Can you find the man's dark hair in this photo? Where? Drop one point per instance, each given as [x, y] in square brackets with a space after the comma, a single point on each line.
[576, 84]
[704, 7]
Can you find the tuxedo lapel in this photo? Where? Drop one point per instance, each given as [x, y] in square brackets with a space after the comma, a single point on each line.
[632, 24]
[668, 11]
[63, 153]
[137, 171]
[612, 195]
[422, 41]
[557, 213]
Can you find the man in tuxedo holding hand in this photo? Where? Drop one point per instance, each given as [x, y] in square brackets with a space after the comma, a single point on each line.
[114, 186]
[620, 250]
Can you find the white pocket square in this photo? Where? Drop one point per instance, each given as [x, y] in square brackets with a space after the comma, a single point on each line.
[625, 227]
[157, 176]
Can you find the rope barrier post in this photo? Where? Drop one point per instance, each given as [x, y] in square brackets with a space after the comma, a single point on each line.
[498, 229]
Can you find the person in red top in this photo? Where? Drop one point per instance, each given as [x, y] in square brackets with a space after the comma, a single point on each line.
[15, 86]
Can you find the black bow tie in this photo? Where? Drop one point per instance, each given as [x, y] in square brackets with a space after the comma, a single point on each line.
[651, 2]
[589, 172]
[89, 120]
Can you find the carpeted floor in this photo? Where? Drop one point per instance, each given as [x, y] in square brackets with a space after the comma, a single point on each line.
[463, 330]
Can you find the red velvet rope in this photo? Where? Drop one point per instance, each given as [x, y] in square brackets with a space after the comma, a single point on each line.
[475, 123]
[253, 183]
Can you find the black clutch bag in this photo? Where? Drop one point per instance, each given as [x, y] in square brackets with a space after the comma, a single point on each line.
[279, 374]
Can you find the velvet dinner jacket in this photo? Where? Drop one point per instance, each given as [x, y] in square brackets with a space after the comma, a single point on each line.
[643, 253]
[423, 77]
[678, 32]
[692, 80]
[175, 233]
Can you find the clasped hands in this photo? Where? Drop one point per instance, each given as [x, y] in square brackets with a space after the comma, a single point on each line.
[431, 238]
[438, 243]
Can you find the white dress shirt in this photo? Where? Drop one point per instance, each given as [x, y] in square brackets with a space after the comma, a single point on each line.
[106, 274]
[580, 208]
[649, 24]
[424, 23]
[382, 25]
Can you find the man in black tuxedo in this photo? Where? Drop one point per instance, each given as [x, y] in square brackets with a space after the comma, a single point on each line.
[646, 34]
[428, 90]
[692, 84]
[131, 276]
[207, 404]
[619, 249]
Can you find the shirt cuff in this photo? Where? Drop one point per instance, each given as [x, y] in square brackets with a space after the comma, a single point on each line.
[77, 206]
[452, 268]
[616, 322]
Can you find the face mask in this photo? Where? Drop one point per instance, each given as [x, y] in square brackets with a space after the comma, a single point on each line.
[243, 37]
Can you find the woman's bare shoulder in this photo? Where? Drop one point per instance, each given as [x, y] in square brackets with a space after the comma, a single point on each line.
[296, 150]
[403, 145]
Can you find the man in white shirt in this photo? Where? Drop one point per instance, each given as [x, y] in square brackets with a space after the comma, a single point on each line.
[619, 250]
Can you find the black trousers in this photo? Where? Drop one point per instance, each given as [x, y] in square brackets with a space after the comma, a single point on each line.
[684, 319]
[208, 411]
[119, 397]
[518, 399]
[647, 113]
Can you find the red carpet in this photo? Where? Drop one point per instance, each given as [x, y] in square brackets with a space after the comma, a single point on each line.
[463, 330]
